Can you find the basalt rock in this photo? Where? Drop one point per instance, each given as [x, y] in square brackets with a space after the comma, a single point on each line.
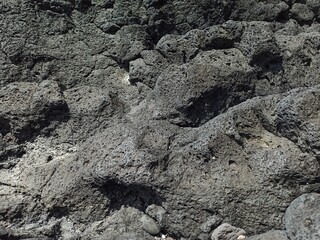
[124, 119]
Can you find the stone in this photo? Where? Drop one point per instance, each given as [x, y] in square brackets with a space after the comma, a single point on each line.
[193, 113]
[157, 213]
[259, 10]
[301, 13]
[302, 218]
[57, 5]
[147, 69]
[149, 225]
[36, 105]
[211, 223]
[227, 232]
[3, 232]
[180, 88]
[271, 235]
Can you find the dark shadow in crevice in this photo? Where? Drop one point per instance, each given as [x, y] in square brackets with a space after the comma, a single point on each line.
[220, 43]
[4, 126]
[8, 236]
[57, 7]
[160, 28]
[44, 125]
[267, 61]
[58, 212]
[133, 195]
[83, 5]
[283, 16]
[215, 102]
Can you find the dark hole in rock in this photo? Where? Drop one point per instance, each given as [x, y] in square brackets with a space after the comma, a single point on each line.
[220, 43]
[213, 103]
[231, 162]
[58, 212]
[83, 5]
[307, 62]
[45, 125]
[268, 62]
[133, 195]
[159, 29]
[4, 126]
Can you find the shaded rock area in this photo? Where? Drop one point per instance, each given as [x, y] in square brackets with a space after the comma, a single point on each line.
[151, 119]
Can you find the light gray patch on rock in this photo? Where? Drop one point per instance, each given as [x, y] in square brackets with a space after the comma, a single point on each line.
[227, 231]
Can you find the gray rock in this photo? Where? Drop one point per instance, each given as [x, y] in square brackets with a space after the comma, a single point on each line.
[60, 6]
[302, 13]
[157, 213]
[227, 232]
[147, 69]
[110, 110]
[29, 107]
[271, 235]
[302, 217]
[107, 27]
[210, 224]
[103, 3]
[177, 49]
[314, 6]
[149, 225]
[3, 232]
[259, 10]
[180, 92]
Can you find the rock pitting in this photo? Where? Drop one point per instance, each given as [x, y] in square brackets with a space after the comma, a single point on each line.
[150, 119]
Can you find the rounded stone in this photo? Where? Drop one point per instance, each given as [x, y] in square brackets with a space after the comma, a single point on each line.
[302, 217]
[150, 225]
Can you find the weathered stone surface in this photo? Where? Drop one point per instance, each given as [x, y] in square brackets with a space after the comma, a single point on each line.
[253, 10]
[27, 108]
[211, 223]
[157, 212]
[149, 225]
[227, 232]
[189, 113]
[301, 12]
[271, 235]
[180, 94]
[302, 217]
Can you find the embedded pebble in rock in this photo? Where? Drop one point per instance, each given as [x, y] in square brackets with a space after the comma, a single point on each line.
[211, 223]
[156, 212]
[149, 225]
[227, 232]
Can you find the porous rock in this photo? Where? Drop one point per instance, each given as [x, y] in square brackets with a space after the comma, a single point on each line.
[271, 235]
[302, 217]
[191, 112]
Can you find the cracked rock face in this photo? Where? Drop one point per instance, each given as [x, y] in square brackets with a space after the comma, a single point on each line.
[149, 119]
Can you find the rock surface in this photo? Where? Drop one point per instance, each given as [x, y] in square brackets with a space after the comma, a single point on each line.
[271, 235]
[226, 231]
[302, 217]
[185, 114]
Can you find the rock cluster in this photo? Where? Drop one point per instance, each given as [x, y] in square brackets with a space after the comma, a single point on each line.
[181, 119]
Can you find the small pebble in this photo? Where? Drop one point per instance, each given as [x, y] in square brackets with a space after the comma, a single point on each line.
[241, 237]
[150, 225]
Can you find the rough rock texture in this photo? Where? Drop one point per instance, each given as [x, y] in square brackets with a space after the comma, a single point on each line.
[271, 235]
[302, 217]
[129, 119]
[226, 231]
